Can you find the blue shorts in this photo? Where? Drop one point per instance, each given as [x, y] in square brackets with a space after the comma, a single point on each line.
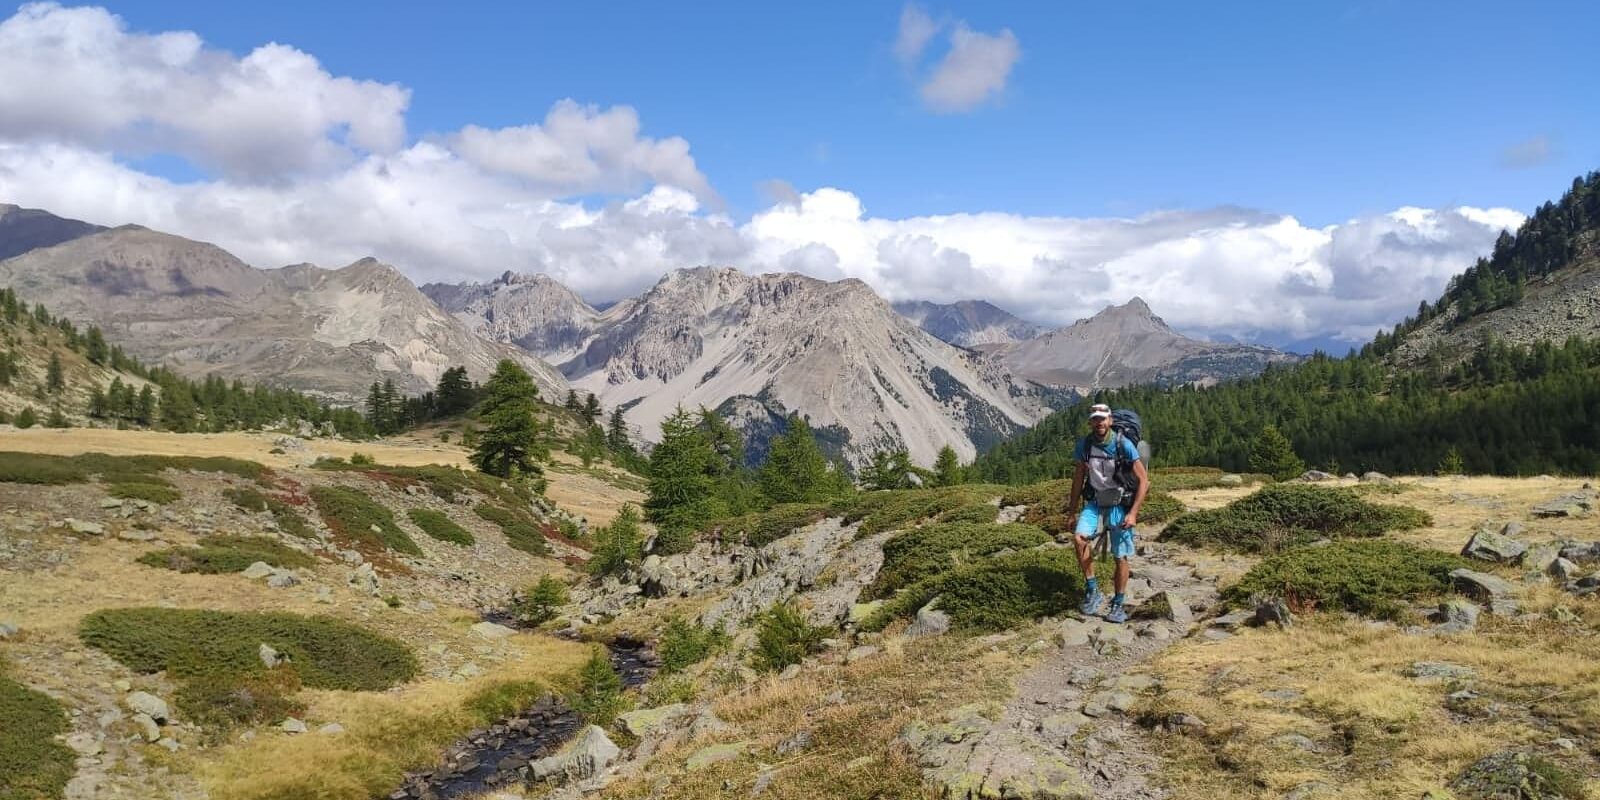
[1121, 538]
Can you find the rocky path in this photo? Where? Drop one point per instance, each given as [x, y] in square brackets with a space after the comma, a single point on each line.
[1068, 731]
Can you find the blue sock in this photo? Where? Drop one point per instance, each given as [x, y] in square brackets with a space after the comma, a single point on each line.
[1117, 599]
[1093, 584]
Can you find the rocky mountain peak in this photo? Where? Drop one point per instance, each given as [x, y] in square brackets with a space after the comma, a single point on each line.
[1132, 315]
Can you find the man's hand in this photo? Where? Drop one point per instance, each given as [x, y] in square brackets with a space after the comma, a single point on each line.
[1131, 519]
[1073, 511]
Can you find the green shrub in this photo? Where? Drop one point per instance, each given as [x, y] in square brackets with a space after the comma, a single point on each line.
[352, 516]
[673, 538]
[35, 468]
[26, 418]
[325, 653]
[979, 513]
[783, 637]
[521, 532]
[245, 498]
[359, 459]
[152, 492]
[598, 697]
[441, 527]
[283, 514]
[897, 509]
[251, 698]
[684, 644]
[1159, 507]
[33, 765]
[221, 554]
[921, 553]
[617, 546]
[542, 601]
[761, 528]
[994, 593]
[505, 698]
[1280, 516]
[446, 483]
[1374, 577]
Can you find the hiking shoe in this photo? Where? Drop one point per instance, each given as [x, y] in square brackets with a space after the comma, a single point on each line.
[1117, 614]
[1091, 603]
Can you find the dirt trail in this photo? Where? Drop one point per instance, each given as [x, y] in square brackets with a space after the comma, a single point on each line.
[1076, 701]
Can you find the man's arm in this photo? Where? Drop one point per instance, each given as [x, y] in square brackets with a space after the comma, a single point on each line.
[1075, 499]
[1138, 498]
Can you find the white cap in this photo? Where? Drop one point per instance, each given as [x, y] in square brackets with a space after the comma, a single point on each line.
[1099, 410]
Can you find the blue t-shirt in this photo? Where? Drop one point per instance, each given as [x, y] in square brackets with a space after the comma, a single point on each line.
[1102, 463]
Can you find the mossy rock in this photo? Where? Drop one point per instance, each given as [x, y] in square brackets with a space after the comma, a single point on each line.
[1518, 776]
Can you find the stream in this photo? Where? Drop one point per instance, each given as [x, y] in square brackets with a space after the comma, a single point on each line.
[496, 756]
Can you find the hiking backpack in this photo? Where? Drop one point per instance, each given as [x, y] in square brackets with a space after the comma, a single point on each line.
[1125, 424]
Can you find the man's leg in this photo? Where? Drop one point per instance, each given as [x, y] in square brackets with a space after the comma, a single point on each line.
[1083, 542]
[1122, 551]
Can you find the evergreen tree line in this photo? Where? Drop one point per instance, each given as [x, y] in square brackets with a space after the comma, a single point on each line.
[389, 412]
[176, 403]
[1507, 411]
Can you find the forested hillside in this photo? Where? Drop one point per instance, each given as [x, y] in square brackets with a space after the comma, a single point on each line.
[1505, 410]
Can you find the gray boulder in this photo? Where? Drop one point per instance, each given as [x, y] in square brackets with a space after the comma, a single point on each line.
[282, 579]
[257, 571]
[292, 725]
[1481, 585]
[269, 655]
[930, 621]
[148, 729]
[1315, 476]
[1231, 479]
[1577, 504]
[149, 705]
[1376, 477]
[590, 753]
[1456, 615]
[1565, 570]
[1511, 775]
[1486, 545]
[85, 527]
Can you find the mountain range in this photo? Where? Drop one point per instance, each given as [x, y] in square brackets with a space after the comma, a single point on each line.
[867, 375]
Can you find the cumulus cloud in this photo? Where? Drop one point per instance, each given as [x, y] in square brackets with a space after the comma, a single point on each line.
[1528, 153]
[78, 75]
[584, 150]
[916, 30]
[973, 72]
[472, 205]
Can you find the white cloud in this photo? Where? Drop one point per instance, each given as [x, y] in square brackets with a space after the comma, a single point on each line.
[916, 30]
[973, 72]
[78, 75]
[470, 206]
[583, 150]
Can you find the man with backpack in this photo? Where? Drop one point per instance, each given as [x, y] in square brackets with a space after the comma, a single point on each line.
[1108, 488]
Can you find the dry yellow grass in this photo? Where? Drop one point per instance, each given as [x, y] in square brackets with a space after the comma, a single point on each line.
[385, 734]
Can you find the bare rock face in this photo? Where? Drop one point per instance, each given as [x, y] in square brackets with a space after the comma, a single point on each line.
[761, 347]
[24, 229]
[534, 312]
[969, 323]
[1129, 344]
[197, 308]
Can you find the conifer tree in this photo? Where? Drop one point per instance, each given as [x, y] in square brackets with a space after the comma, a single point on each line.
[572, 400]
[145, 411]
[1452, 463]
[54, 381]
[509, 445]
[682, 492]
[617, 433]
[1272, 454]
[25, 418]
[56, 419]
[453, 395]
[177, 408]
[946, 467]
[888, 469]
[95, 346]
[591, 409]
[617, 546]
[795, 470]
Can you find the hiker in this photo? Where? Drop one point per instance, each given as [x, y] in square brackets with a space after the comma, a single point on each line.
[1108, 488]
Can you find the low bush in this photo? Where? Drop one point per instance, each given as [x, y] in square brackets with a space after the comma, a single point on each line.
[288, 520]
[360, 459]
[598, 697]
[684, 644]
[783, 637]
[979, 513]
[441, 527]
[33, 765]
[325, 653]
[1375, 577]
[542, 602]
[151, 492]
[522, 533]
[221, 554]
[446, 483]
[617, 546]
[993, 593]
[760, 528]
[505, 698]
[921, 553]
[1281, 516]
[251, 698]
[901, 508]
[35, 468]
[245, 498]
[214, 656]
[358, 519]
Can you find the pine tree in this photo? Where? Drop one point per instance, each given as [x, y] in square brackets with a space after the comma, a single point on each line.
[377, 409]
[795, 470]
[572, 400]
[95, 346]
[8, 367]
[617, 546]
[25, 418]
[56, 419]
[53, 379]
[947, 467]
[1272, 454]
[1452, 463]
[145, 412]
[617, 433]
[177, 408]
[888, 469]
[454, 394]
[591, 410]
[510, 443]
[681, 489]
[98, 405]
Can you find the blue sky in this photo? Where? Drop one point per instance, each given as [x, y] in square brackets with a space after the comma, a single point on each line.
[1323, 110]
[1275, 172]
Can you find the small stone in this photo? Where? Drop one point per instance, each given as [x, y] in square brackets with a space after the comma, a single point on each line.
[794, 744]
[169, 743]
[1481, 585]
[122, 685]
[426, 606]
[859, 653]
[324, 595]
[8, 630]
[282, 579]
[492, 631]
[85, 527]
[1315, 476]
[331, 729]
[85, 744]
[1456, 615]
[1083, 676]
[148, 704]
[111, 502]
[148, 729]
[1565, 570]
[789, 673]
[930, 621]
[642, 722]
[1283, 695]
[1058, 728]
[1231, 479]
[1187, 723]
[1172, 607]
[292, 725]
[269, 656]
[1376, 477]
[1565, 744]
[1441, 670]
[257, 571]
[1486, 545]
[1232, 620]
[1120, 702]
[1298, 742]
[715, 754]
